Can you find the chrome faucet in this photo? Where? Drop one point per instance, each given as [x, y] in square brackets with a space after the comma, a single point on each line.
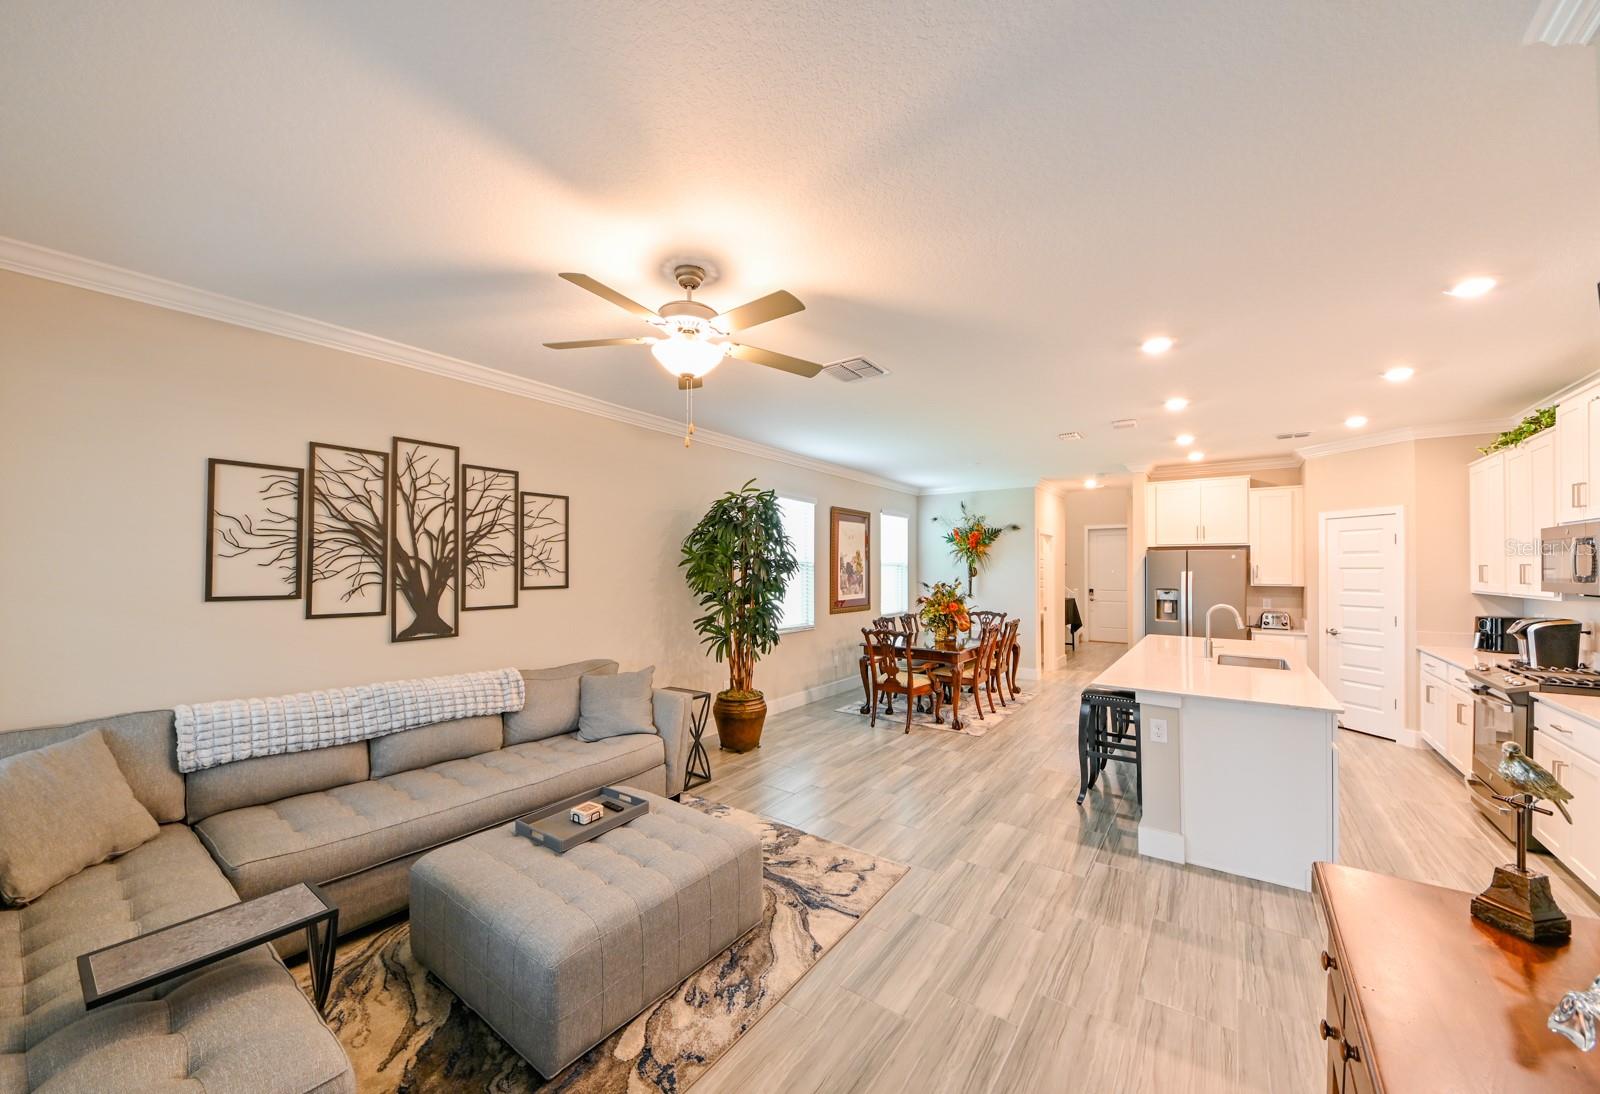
[1237, 618]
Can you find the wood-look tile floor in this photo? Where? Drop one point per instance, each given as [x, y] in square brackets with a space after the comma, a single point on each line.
[1030, 948]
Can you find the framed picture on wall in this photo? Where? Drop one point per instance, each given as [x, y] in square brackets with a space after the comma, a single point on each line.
[347, 521]
[424, 540]
[849, 560]
[490, 536]
[252, 531]
[546, 540]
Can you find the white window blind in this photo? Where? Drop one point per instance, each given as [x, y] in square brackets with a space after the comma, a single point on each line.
[894, 553]
[800, 595]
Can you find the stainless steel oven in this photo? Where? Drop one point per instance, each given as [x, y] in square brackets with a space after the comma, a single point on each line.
[1569, 559]
[1501, 706]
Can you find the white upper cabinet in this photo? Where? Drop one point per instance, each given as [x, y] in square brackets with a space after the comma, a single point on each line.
[1530, 487]
[1577, 425]
[1277, 535]
[1487, 537]
[1198, 511]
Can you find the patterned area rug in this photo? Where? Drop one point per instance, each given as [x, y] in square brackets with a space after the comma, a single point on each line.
[406, 1032]
[971, 724]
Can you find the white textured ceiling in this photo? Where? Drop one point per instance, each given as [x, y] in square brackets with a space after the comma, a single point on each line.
[996, 202]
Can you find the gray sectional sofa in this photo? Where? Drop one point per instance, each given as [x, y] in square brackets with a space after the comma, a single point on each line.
[352, 818]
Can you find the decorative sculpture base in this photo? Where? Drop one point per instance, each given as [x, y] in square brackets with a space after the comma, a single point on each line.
[1519, 902]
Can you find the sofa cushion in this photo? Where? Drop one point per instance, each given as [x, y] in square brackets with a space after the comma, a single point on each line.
[429, 745]
[145, 747]
[210, 1030]
[617, 705]
[552, 705]
[267, 778]
[322, 836]
[64, 807]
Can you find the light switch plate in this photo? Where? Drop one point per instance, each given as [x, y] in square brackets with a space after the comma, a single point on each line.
[1158, 730]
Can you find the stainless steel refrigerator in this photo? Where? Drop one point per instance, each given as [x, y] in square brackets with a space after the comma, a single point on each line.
[1182, 583]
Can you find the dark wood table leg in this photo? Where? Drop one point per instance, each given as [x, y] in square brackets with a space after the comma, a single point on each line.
[955, 695]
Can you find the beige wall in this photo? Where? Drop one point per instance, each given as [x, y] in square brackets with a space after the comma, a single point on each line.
[109, 410]
[1009, 583]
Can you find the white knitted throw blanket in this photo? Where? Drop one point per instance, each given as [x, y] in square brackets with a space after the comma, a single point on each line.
[237, 729]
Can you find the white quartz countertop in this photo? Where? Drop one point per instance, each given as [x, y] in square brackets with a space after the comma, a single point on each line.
[1465, 657]
[1177, 666]
[1586, 707]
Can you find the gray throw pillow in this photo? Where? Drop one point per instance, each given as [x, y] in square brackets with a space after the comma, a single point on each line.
[615, 705]
[64, 808]
[552, 706]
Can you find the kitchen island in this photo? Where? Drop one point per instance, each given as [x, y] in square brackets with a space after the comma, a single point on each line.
[1241, 762]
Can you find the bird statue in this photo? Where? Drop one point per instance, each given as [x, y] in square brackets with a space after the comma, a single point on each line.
[1518, 769]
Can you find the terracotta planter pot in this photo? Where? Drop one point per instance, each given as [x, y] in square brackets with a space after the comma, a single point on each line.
[739, 722]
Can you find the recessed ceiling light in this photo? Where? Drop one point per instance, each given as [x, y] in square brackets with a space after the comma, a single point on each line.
[1156, 346]
[1356, 421]
[1091, 484]
[1177, 402]
[1471, 287]
[1399, 374]
[1196, 455]
[1184, 440]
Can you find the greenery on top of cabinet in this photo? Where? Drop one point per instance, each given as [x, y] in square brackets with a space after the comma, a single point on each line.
[1537, 422]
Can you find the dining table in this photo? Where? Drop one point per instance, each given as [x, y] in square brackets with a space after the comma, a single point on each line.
[925, 651]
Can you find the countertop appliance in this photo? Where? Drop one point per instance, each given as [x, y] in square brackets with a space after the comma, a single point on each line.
[1502, 708]
[1182, 583]
[1568, 562]
[1274, 621]
[1489, 634]
[1547, 643]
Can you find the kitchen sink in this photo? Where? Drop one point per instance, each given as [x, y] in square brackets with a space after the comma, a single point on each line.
[1245, 662]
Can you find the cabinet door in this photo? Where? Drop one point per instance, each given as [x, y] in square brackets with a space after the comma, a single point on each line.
[1551, 831]
[1225, 510]
[1487, 504]
[1276, 537]
[1177, 513]
[1577, 845]
[1521, 576]
[1435, 702]
[1458, 728]
[1572, 458]
[1542, 512]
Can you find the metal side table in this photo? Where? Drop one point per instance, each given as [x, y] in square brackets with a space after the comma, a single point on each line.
[698, 770]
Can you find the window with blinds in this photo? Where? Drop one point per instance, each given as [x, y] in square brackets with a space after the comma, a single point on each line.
[800, 595]
[894, 565]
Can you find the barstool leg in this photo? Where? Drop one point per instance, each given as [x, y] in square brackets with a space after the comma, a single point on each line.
[1085, 728]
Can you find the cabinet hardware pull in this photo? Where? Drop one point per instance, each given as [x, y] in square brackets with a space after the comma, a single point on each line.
[1327, 961]
[1329, 1033]
[1559, 728]
[1351, 1053]
[1460, 721]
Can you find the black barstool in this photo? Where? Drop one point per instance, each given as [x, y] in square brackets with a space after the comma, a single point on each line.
[1108, 729]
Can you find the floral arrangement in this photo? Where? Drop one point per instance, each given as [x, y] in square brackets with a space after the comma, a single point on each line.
[971, 539]
[1537, 422]
[944, 608]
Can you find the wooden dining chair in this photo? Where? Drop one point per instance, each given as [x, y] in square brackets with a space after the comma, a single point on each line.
[995, 668]
[891, 673]
[945, 675]
[1013, 658]
[1005, 657]
[984, 618]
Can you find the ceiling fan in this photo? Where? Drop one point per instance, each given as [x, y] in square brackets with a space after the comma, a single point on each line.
[694, 338]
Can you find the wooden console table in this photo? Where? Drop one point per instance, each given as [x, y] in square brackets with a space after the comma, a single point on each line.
[1422, 997]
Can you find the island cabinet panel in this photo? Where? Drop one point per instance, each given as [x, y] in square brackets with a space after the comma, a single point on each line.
[1422, 997]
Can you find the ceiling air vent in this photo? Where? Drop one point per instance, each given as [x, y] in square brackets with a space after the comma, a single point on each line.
[854, 368]
[1124, 423]
[1070, 435]
[1293, 436]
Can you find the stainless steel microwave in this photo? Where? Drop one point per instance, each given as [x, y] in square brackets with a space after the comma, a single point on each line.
[1568, 562]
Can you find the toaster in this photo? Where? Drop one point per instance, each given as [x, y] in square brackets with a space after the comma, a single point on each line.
[1274, 621]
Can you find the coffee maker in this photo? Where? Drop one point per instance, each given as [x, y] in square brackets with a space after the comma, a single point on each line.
[1548, 643]
[1489, 634]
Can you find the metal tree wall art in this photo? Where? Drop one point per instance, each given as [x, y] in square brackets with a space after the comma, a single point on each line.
[252, 531]
[545, 541]
[489, 538]
[424, 553]
[348, 540]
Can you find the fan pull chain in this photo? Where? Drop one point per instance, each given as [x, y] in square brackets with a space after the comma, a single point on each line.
[688, 415]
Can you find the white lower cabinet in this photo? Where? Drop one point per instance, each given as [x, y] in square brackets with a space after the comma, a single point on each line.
[1458, 727]
[1435, 703]
[1569, 748]
[1294, 642]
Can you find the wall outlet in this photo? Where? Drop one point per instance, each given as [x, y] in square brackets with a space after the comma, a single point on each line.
[1158, 731]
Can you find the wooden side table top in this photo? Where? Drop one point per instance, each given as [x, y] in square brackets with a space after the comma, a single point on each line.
[1446, 1002]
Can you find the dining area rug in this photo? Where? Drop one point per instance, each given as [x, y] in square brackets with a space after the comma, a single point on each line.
[971, 724]
[406, 1033]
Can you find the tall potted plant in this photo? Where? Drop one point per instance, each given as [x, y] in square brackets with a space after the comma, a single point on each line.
[737, 561]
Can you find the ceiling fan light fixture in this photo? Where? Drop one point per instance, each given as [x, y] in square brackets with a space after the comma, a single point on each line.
[685, 355]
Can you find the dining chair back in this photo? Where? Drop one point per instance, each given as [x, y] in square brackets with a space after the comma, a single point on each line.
[891, 672]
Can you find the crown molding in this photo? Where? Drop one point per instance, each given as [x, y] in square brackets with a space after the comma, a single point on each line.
[1556, 396]
[1564, 23]
[1224, 467]
[1403, 436]
[85, 273]
[937, 491]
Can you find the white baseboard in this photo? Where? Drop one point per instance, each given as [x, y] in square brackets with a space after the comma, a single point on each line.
[1411, 738]
[812, 694]
[1027, 674]
[1161, 844]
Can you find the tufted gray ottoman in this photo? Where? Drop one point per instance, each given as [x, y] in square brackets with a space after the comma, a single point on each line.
[557, 951]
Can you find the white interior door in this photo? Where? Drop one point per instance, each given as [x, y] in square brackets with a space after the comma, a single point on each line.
[1362, 660]
[1106, 576]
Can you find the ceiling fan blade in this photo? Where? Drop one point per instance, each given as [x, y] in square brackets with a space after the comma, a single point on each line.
[781, 361]
[606, 292]
[588, 343]
[772, 306]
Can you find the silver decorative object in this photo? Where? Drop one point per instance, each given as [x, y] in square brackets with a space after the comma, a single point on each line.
[1577, 1016]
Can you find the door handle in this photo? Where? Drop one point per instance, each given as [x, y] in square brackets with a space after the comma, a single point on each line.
[1333, 631]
